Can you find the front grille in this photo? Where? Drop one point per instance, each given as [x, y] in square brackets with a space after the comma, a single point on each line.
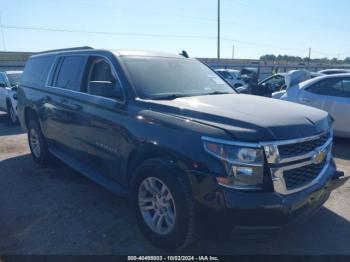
[291, 150]
[299, 177]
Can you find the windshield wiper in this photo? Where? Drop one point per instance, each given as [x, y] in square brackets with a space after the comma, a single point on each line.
[170, 97]
[174, 96]
[217, 93]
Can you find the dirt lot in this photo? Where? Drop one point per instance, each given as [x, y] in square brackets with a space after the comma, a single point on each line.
[58, 211]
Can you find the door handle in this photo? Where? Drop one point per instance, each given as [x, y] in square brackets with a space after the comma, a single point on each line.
[307, 100]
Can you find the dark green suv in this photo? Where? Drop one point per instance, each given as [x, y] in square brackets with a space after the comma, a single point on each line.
[169, 133]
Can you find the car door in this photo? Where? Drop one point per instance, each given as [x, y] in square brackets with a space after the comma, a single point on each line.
[316, 94]
[333, 96]
[338, 105]
[275, 83]
[99, 135]
[61, 107]
[3, 92]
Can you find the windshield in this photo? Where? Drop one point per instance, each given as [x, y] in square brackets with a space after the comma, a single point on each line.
[14, 78]
[224, 74]
[164, 77]
[235, 74]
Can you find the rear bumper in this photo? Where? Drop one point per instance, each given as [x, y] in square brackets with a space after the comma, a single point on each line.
[270, 210]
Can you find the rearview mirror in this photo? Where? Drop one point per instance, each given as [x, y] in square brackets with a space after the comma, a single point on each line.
[104, 89]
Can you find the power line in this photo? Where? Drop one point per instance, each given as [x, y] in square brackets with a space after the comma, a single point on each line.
[142, 35]
[239, 2]
[105, 32]
[48, 29]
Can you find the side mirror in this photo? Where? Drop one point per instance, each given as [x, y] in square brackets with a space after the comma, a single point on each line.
[14, 88]
[104, 89]
[2, 84]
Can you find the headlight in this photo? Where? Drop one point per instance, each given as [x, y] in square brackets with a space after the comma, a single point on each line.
[244, 165]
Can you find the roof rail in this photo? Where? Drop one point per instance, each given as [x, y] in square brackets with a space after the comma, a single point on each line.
[65, 49]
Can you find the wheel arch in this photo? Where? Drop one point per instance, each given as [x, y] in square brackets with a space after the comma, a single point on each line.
[29, 113]
[149, 151]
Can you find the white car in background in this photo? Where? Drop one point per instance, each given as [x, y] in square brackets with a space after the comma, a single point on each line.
[9, 80]
[233, 77]
[330, 93]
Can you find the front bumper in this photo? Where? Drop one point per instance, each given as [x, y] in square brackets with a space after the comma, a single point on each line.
[268, 210]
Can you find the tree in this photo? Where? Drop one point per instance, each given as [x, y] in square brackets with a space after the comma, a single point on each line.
[286, 58]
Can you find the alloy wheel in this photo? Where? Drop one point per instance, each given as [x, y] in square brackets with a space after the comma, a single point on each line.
[34, 142]
[157, 205]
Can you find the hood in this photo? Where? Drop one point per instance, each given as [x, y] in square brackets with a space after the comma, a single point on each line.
[247, 117]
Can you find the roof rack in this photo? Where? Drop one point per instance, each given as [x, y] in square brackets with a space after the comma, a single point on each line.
[66, 49]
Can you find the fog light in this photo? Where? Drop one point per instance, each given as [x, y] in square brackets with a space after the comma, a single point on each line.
[245, 171]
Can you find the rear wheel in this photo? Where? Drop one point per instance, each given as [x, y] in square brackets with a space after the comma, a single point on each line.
[164, 205]
[12, 114]
[37, 143]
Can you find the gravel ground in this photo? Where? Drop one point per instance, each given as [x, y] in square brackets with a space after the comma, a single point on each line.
[57, 211]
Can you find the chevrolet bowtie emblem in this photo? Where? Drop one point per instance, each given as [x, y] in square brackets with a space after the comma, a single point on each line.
[318, 157]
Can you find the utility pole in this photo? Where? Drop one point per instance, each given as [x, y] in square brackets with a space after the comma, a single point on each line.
[218, 30]
[2, 34]
[308, 64]
[233, 52]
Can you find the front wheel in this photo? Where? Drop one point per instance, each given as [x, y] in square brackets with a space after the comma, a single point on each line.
[164, 205]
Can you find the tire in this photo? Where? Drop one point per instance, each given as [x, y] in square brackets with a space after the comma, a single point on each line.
[177, 225]
[12, 114]
[37, 144]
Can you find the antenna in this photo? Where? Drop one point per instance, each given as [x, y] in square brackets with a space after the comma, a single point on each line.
[184, 54]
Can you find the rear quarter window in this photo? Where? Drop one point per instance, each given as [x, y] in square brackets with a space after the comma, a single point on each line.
[36, 71]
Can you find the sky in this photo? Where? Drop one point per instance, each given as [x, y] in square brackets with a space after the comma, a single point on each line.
[251, 27]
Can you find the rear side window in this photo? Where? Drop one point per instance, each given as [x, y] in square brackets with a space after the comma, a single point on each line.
[69, 72]
[36, 70]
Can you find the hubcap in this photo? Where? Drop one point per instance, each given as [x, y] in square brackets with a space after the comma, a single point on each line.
[34, 142]
[157, 205]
